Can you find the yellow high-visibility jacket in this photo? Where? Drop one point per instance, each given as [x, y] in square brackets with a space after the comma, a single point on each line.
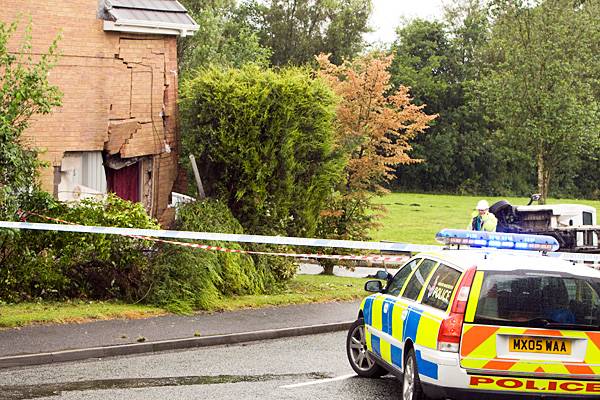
[486, 222]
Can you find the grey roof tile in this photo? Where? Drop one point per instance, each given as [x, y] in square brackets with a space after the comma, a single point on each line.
[151, 16]
[156, 5]
[146, 12]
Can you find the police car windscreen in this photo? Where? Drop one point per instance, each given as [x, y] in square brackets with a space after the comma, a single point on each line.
[538, 299]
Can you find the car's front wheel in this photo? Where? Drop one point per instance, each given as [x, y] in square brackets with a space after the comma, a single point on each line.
[411, 384]
[356, 348]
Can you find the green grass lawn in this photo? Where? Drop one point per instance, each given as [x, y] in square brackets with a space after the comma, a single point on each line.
[415, 218]
[302, 289]
[22, 314]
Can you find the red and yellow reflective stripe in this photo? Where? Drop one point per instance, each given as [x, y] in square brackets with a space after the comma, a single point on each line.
[478, 351]
[474, 336]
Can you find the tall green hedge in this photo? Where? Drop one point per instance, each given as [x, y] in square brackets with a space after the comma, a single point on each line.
[264, 142]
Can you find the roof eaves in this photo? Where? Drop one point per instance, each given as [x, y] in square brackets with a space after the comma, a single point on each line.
[163, 28]
[166, 17]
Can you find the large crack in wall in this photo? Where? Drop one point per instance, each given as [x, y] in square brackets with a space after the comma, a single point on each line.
[140, 132]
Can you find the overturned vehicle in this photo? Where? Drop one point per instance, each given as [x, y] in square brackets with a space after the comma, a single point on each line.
[573, 225]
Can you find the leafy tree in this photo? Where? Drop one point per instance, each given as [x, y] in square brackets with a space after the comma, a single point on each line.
[297, 30]
[424, 60]
[439, 61]
[24, 92]
[374, 127]
[264, 140]
[582, 178]
[538, 83]
[224, 37]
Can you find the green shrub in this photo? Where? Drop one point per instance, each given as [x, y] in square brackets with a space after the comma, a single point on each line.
[264, 142]
[59, 265]
[185, 279]
[48, 264]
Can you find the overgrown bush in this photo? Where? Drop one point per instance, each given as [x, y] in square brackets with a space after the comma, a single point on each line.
[185, 278]
[55, 265]
[264, 142]
[60, 265]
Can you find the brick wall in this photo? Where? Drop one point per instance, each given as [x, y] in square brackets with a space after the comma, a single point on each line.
[120, 91]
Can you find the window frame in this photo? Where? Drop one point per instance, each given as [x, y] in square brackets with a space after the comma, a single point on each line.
[452, 294]
[581, 279]
[425, 279]
[419, 261]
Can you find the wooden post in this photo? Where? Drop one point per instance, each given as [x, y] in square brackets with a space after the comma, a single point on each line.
[201, 193]
[56, 178]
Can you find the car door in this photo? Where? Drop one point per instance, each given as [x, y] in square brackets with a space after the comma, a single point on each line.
[428, 294]
[382, 314]
[410, 296]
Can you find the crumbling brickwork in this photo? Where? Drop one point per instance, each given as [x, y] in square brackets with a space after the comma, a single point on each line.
[120, 91]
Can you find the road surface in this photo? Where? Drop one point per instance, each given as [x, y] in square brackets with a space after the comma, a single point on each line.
[307, 367]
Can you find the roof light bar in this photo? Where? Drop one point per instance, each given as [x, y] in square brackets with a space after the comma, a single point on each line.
[497, 240]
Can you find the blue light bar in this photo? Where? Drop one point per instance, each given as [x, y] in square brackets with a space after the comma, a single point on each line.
[497, 240]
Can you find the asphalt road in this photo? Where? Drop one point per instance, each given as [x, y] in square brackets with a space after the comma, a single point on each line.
[358, 272]
[306, 367]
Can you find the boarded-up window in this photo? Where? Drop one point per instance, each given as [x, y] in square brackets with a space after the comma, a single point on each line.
[81, 175]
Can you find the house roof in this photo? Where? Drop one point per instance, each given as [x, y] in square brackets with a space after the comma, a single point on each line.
[165, 17]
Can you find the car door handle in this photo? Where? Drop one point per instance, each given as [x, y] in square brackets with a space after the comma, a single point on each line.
[403, 315]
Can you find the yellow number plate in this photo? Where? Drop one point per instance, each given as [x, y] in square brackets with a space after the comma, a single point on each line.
[524, 344]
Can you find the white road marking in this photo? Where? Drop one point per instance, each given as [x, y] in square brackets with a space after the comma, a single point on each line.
[318, 381]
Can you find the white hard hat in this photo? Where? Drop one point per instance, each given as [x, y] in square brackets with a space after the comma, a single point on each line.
[482, 205]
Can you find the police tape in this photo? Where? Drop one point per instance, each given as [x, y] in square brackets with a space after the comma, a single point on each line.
[224, 237]
[259, 239]
[375, 258]
[577, 257]
[158, 235]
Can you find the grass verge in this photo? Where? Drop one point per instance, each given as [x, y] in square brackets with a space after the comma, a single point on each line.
[415, 218]
[303, 289]
[22, 314]
[300, 290]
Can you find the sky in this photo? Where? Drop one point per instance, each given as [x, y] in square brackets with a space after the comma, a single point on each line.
[387, 16]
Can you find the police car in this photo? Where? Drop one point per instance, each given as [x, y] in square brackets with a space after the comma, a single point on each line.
[483, 323]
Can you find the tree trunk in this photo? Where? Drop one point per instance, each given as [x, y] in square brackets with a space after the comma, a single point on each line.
[546, 183]
[327, 267]
[543, 178]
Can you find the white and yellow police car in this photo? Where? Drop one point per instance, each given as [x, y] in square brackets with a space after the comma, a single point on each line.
[483, 323]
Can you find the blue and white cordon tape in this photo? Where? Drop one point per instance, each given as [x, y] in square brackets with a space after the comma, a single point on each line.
[447, 236]
[225, 237]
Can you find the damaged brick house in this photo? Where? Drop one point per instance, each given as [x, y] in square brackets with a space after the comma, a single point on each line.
[117, 129]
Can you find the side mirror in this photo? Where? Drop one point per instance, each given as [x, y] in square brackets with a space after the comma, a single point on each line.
[383, 275]
[373, 286]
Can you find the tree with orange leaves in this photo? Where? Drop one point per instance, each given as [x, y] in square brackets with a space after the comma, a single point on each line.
[375, 125]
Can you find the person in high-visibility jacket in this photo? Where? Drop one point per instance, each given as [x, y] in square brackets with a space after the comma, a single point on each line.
[482, 219]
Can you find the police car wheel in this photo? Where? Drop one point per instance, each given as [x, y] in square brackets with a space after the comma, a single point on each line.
[411, 384]
[356, 347]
